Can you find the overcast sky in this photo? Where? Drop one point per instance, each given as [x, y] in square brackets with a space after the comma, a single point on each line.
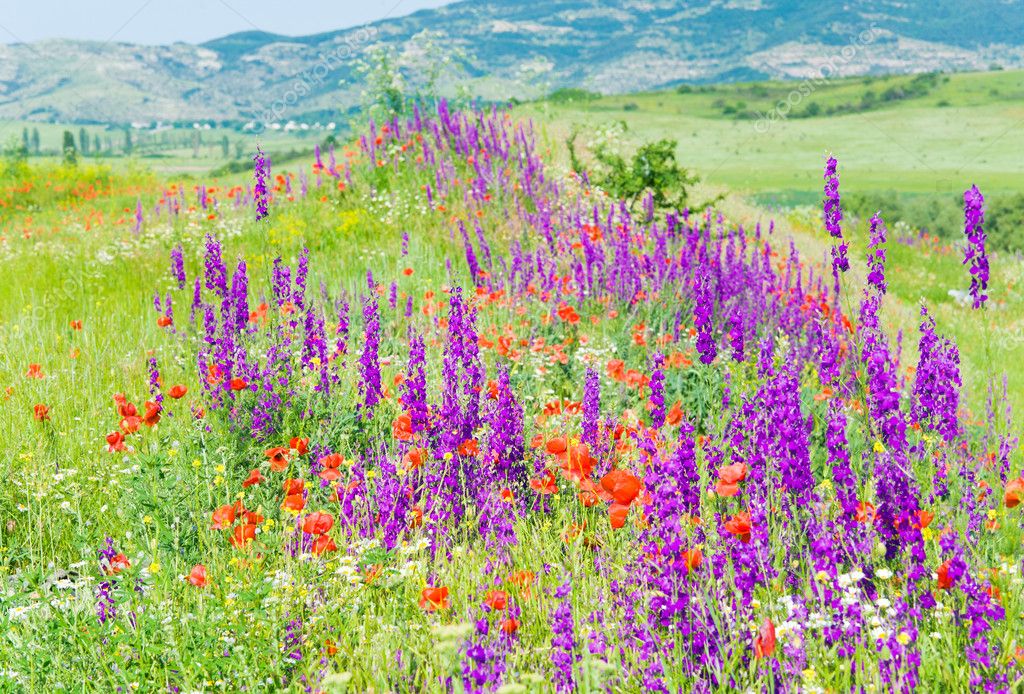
[195, 21]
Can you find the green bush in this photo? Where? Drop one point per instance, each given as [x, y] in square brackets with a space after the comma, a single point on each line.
[652, 168]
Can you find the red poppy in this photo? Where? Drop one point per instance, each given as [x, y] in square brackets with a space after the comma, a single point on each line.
[576, 462]
[617, 514]
[323, 544]
[401, 428]
[764, 642]
[622, 485]
[469, 448]
[124, 408]
[556, 445]
[729, 478]
[417, 517]
[278, 458]
[1014, 492]
[568, 314]
[433, 599]
[945, 581]
[545, 484]
[299, 445]
[318, 523]
[163, 321]
[35, 371]
[739, 525]
[496, 599]
[865, 512]
[76, 325]
[130, 425]
[922, 519]
[510, 626]
[41, 412]
[255, 477]
[507, 496]
[675, 414]
[238, 384]
[197, 576]
[693, 558]
[294, 486]
[118, 563]
[294, 503]
[152, 415]
[115, 442]
[223, 517]
[177, 392]
[243, 535]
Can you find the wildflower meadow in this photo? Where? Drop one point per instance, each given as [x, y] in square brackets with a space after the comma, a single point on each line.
[429, 412]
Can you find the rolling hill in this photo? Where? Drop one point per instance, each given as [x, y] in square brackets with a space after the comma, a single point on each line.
[505, 48]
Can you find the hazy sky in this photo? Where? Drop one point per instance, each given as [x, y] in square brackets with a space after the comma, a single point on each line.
[167, 21]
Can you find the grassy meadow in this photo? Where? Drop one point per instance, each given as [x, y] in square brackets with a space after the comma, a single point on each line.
[448, 418]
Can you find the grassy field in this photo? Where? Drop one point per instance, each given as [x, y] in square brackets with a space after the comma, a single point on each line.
[461, 423]
[190, 152]
[964, 130]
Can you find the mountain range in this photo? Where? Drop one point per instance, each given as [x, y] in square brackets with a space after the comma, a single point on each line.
[501, 49]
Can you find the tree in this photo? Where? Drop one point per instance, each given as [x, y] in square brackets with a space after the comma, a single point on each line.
[35, 141]
[384, 84]
[651, 169]
[25, 140]
[83, 142]
[127, 141]
[70, 153]
[225, 146]
[96, 146]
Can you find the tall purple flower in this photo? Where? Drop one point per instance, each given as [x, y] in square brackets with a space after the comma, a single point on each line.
[415, 386]
[658, 392]
[936, 394]
[314, 348]
[369, 362]
[736, 332]
[876, 254]
[591, 407]
[106, 608]
[702, 310]
[845, 481]
[240, 297]
[138, 216]
[154, 381]
[178, 266]
[834, 215]
[262, 173]
[216, 271]
[974, 253]
[563, 643]
[341, 334]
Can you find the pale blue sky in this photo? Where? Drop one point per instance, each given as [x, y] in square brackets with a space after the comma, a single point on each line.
[167, 21]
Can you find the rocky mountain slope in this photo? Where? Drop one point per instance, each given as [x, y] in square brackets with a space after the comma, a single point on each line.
[506, 48]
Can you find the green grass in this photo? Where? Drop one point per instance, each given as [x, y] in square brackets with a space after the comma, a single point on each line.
[914, 145]
[64, 493]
